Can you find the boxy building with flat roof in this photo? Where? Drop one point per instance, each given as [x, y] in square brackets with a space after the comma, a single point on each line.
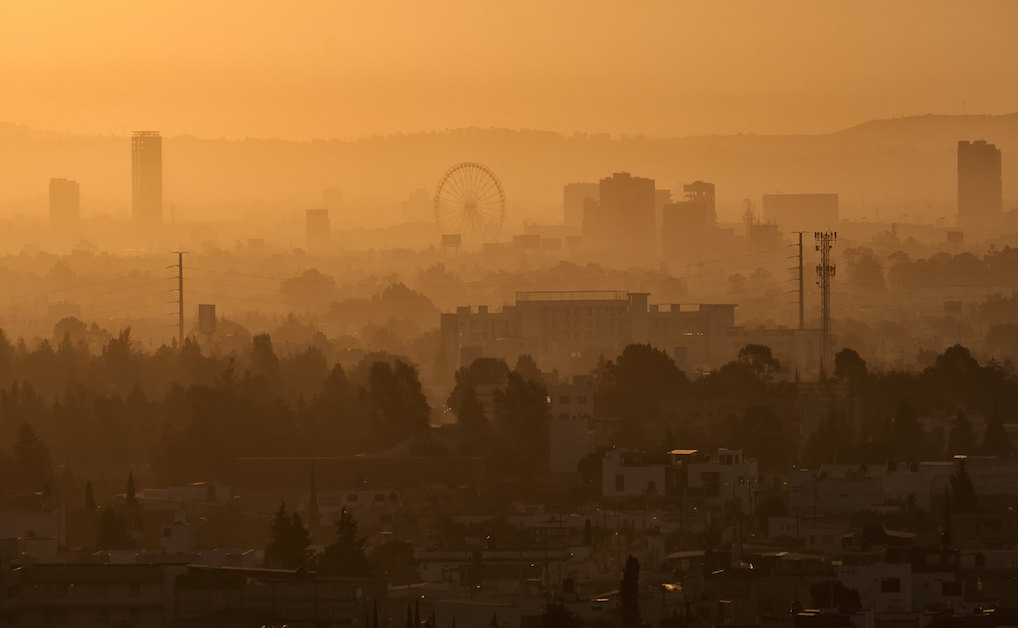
[802, 212]
[570, 330]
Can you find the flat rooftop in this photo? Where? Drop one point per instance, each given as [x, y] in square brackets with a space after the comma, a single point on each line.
[572, 295]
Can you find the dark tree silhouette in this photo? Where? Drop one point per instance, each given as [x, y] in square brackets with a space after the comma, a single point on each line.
[394, 560]
[907, 434]
[132, 499]
[643, 384]
[758, 358]
[482, 371]
[289, 540]
[629, 594]
[521, 414]
[264, 362]
[32, 460]
[962, 438]
[527, 367]
[89, 497]
[474, 426]
[849, 366]
[112, 533]
[556, 615]
[345, 556]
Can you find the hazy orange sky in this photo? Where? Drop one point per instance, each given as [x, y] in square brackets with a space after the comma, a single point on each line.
[322, 69]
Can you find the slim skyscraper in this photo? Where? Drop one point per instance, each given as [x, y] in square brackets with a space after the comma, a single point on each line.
[147, 178]
[64, 206]
[980, 188]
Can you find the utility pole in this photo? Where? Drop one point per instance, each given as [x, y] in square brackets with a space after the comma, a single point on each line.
[802, 310]
[180, 298]
[825, 272]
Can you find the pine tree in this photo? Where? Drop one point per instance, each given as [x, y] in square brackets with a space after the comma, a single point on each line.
[289, 541]
[313, 516]
[556, 615]
[474, 427]
[629, 592]
[345, 556]
[131, 498]
[907, 433]
[946, 537]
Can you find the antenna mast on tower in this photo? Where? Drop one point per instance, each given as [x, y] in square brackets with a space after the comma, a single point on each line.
[825, 272]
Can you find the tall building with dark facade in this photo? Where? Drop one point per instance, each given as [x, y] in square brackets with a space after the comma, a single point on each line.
[64, 206]
[623, 219]
[687, 226]
[147, 179]
[980, 188]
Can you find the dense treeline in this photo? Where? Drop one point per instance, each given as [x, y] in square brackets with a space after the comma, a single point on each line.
[71, 413]
[857, 416]
[994, 269]
[178, 415]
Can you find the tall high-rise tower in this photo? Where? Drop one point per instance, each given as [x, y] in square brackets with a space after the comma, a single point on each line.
[980, 190]
[64, 206]
[147, 178]
[623, 218]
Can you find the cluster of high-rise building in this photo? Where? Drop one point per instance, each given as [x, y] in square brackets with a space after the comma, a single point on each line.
[146, 190]
[628, 216]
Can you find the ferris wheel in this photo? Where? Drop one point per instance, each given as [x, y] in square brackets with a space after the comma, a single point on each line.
[470, 201]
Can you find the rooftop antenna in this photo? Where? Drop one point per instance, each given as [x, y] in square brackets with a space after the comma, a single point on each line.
[825, 272]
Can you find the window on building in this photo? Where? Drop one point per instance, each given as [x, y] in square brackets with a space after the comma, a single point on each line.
[352, 497]
[620, 482]
[890, 585]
